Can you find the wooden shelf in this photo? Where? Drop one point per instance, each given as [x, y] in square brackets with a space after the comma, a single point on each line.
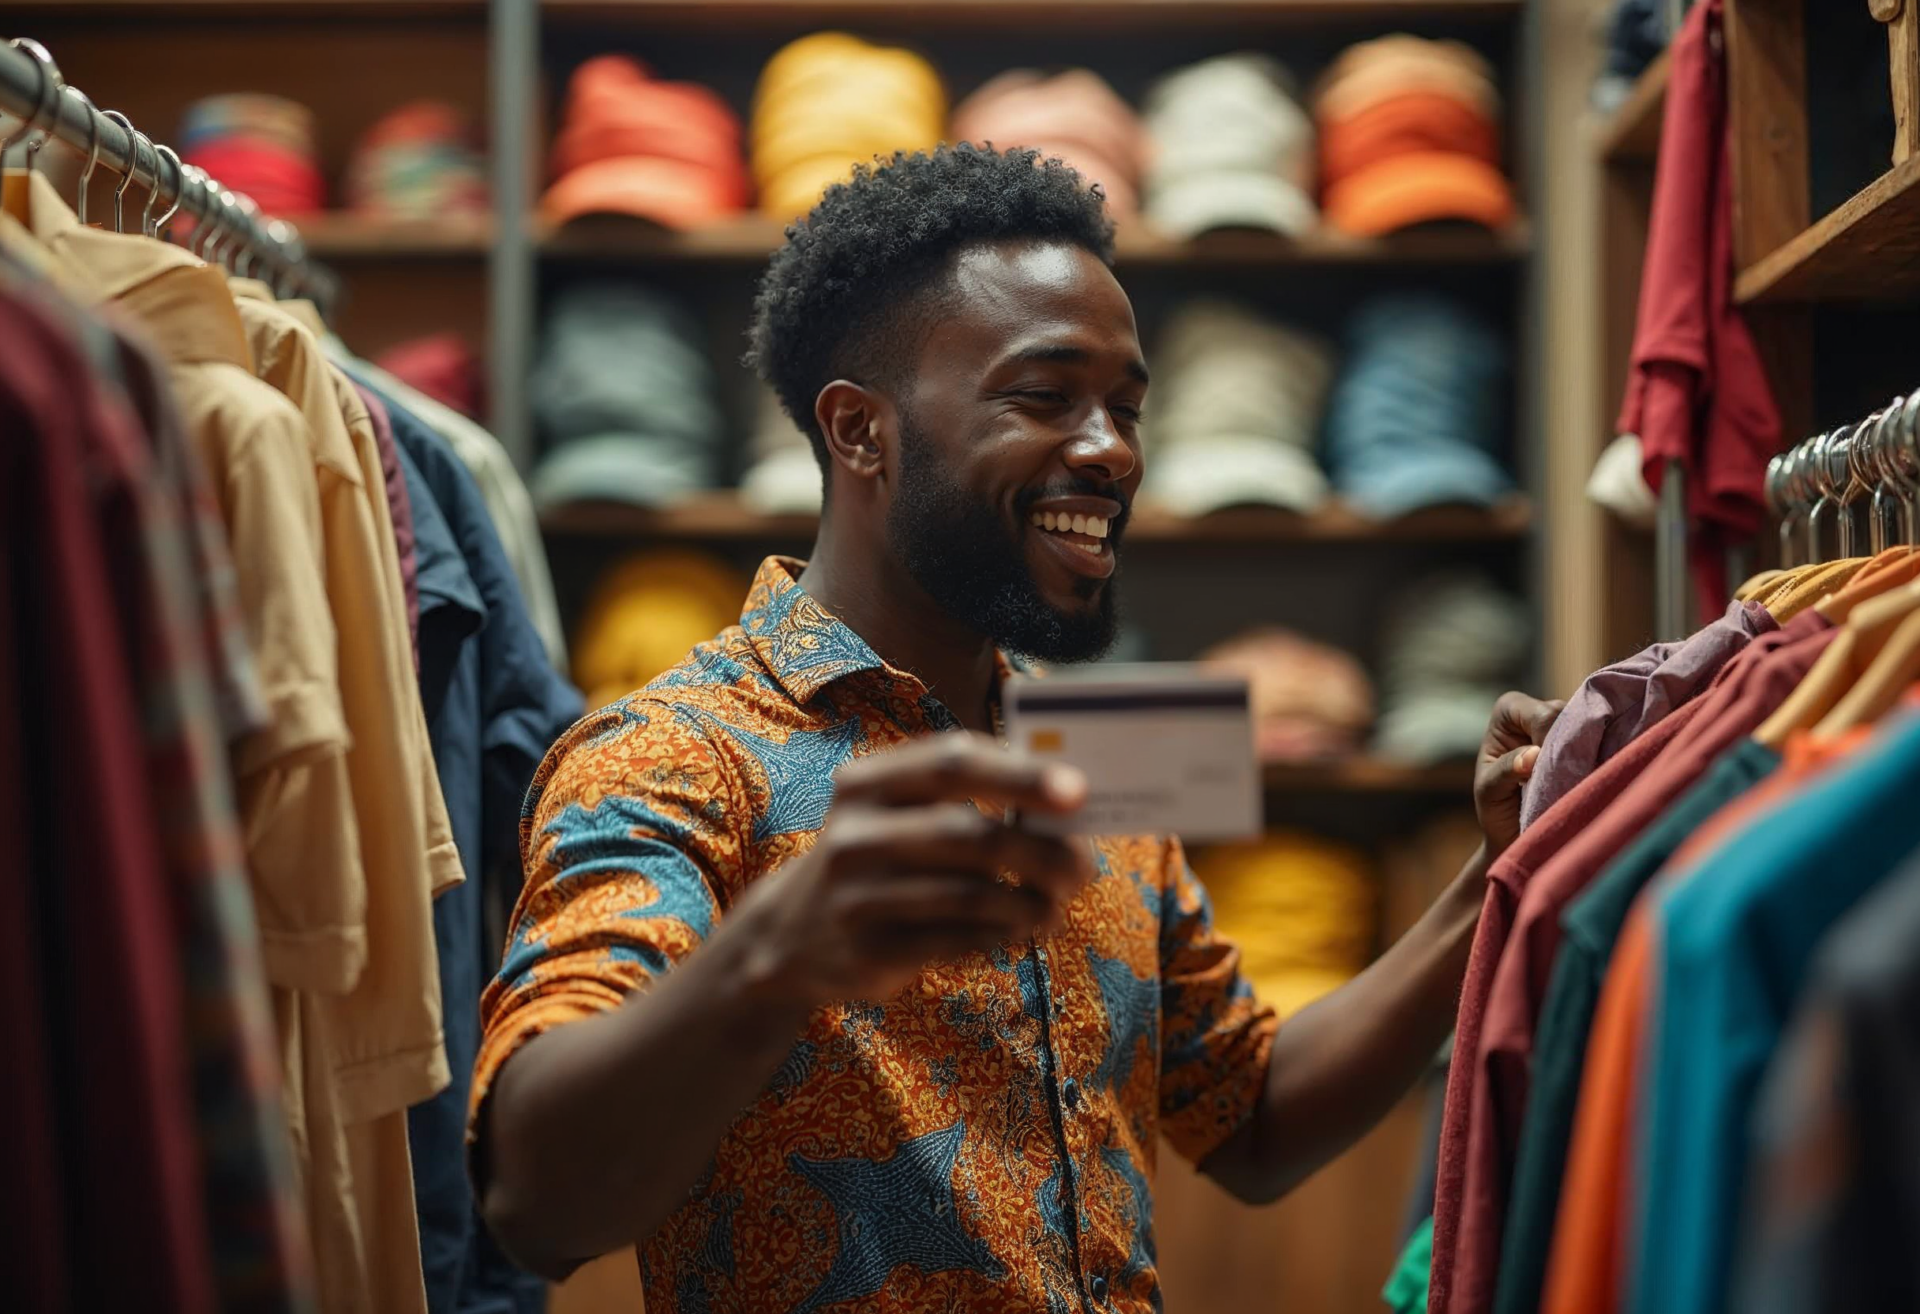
[1368, 775]
[1089, 15]
[343, 236]
[249, 11]
[1633, 133]
[752, 238]
[722, 517]
[1867, 250]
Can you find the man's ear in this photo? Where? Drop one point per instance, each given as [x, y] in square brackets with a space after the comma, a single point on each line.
[859, 427]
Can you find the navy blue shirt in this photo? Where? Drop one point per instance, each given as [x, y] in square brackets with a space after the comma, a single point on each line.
[494, 706]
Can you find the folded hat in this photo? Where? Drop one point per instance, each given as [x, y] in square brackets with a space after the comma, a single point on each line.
[623, 395]
[1073, 116]
[1235, 413]
[830, 101]
[784, 478]
[1310, 701]
[647, 613]
[1302, 910]
[418, 162]
[1407, 123]
[1404, 190]
[1409, 134]
[668, 152]
[1420, 408]
[1231, 149]
[1453, 643]
[258, 145]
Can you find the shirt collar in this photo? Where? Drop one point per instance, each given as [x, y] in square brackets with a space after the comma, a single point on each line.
[806, 647]
[190, 316]
[109, 264]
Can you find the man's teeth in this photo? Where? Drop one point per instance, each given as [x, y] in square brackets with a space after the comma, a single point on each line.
[1092, 526]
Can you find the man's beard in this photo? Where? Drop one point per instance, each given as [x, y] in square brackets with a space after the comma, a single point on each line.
[959, 551]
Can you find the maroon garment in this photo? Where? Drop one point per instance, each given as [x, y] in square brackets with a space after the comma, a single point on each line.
[136, 1233]
[1513, 949]
[1697, 393]
[442, 366]
[401, 511]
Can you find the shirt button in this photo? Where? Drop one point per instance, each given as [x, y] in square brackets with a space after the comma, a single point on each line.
[1070, 1092]
[1099, 1287]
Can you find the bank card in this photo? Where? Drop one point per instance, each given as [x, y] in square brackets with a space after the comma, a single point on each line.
[1167, 748]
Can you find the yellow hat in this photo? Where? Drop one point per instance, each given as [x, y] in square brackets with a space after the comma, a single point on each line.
[829, 101]
[646, 613]
[1303, 911]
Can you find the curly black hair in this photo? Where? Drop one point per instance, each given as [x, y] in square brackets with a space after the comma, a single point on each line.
[839, 299]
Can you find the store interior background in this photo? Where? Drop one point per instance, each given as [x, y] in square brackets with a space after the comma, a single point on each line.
[1559, 283]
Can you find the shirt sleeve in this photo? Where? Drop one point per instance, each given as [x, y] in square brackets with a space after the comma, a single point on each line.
[1215, 1035]
[627, 842]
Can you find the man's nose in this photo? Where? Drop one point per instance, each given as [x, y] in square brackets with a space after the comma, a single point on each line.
[1100, 451]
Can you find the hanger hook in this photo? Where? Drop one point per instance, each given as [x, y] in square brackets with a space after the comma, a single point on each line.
[93, 151]
[153, 192]
[179, 187]
[46, 105]
[133, 164]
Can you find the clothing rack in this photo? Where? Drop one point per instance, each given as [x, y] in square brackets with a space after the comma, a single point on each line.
[231, 227]
[1822, 482]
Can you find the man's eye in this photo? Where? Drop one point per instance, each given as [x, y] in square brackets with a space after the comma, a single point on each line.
[1043, 396]
[1131, 414]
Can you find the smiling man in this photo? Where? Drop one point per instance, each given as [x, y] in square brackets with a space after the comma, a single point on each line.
[786, 1004]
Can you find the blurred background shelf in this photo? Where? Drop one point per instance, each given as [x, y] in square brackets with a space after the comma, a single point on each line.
[753, 238]
[250, 11]
[1105, 15]
[1633, 133]
[342, 235]
[1866, 250]
[723, 516]
[1368, 775]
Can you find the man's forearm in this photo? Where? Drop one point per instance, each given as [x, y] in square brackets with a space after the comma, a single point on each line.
[1340, 1064]
[596, 1130]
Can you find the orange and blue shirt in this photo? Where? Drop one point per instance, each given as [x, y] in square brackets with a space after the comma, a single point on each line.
[983, 1139]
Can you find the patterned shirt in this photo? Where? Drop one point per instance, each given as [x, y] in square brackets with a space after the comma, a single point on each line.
[983, 1139]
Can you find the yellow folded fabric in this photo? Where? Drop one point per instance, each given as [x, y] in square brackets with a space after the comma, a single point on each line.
[644, 615]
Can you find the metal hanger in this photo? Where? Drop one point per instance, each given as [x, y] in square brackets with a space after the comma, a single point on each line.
[126, 179]
[179, 190]
[153, 192]
[45, 107]
[93, 152]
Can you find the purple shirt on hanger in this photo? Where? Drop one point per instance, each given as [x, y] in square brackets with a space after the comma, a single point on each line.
[1618, 703]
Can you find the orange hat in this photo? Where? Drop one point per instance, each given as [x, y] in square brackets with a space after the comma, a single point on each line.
[1412, 122]
[665, 151]
[1395, 75]
[1399, 46]
[672, 193]
[614, 108]
[1403, 190]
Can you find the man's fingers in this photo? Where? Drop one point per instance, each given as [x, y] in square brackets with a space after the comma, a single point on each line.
[954, 837]
[1520, 719]
[940, 899]
[953, 767]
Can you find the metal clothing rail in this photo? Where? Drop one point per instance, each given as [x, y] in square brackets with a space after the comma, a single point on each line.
[231, 226]
[1818, 489]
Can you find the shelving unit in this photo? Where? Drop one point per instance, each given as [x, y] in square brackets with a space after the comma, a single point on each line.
[1867, 250]
[722, 517]
[1633, 132]
[1367, 775]
[752, 238]
[1327, 574]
